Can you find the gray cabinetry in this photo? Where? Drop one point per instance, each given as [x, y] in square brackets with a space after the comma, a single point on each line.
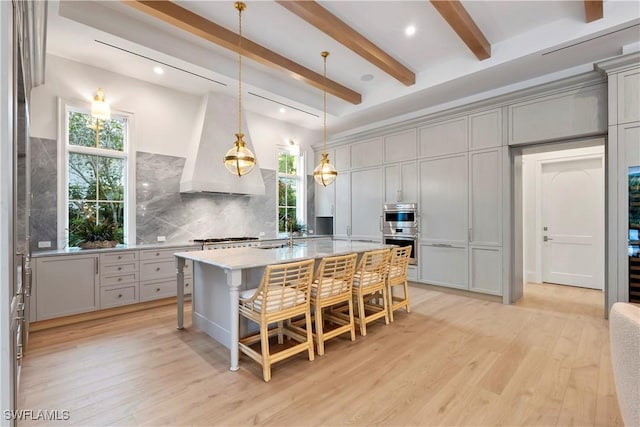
[67, 285]
[342, 218]
[401, 182]
[119, 278]
[158, 274]
[366, 204]
[441, 138]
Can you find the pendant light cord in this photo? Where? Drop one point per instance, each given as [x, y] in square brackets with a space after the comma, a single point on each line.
[324, 103]
[240, 6]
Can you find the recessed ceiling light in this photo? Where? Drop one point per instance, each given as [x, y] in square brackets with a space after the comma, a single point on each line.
[282, 110]
[158, 70]
[366, 77]
[410, 30]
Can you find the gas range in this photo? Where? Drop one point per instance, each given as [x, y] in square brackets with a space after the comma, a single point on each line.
[227, 242]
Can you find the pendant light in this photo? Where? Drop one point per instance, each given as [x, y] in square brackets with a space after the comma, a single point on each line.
[325, 173]
[100, 110]
[239, 160]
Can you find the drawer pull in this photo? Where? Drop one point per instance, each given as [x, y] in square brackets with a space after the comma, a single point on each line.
[157, 289]
[186, 285]
[119, 295]
[157, 268]
[119, 256]
[119, 279]
[157, 253]
[119, 268]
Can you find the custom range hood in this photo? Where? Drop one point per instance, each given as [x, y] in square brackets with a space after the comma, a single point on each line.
[204, 170]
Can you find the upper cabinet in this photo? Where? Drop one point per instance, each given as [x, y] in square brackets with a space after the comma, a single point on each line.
[443, 138]
[401, 182]
[628, 99]
[565, 114]
[399, 147]
[485, 197]
[485, 129]
[342, 159]
[366, 153]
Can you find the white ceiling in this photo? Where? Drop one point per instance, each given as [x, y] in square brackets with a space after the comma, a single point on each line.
[525, 38]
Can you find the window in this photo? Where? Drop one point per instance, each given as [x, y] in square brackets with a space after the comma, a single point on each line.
[290, 190]
[97, 174]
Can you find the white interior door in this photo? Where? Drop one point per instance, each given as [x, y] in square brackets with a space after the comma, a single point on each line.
[572, 196]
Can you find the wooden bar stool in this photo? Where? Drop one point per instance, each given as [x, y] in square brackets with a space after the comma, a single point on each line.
[282, 295]
[397, 276]
[332, 287]
[368, 283]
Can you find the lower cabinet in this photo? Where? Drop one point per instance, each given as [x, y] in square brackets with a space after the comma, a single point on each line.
[73, 284]
[66, 285]
[444, 265]
[485, 270]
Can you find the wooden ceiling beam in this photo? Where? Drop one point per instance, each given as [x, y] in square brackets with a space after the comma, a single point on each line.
[461, 22]
[334, 27]
[593, 10]
[184, 19]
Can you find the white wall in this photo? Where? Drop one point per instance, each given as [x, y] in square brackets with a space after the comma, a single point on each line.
[530, 184]
[164, 118]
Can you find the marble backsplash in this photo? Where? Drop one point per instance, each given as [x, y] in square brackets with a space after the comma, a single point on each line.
[161, 210]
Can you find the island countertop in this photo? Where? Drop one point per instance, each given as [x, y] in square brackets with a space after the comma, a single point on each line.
[250, 257]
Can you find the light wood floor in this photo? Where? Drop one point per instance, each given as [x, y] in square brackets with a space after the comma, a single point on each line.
[455, 360]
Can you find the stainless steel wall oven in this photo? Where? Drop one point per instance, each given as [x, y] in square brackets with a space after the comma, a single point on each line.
[400, 226]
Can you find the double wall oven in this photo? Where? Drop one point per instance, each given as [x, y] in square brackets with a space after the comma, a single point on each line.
[400, 226]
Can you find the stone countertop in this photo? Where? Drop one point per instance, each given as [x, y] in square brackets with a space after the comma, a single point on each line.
[80, 251]
[250, 257]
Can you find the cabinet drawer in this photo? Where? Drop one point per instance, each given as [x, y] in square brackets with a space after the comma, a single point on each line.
[110, 270]
[159, 253]
[113, 297]
[118, 257]
[155, 290]
[159, 269]
[119, 279]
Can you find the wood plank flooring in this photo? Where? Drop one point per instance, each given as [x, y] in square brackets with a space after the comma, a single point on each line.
[455, 360]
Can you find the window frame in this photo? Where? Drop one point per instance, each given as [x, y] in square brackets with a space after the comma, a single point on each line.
[128, 155]
[300, 177]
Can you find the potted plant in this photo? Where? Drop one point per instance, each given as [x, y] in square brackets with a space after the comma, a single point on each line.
[92, 234]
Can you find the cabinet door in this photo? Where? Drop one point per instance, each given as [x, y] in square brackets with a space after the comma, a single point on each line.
[485, 198]
[400, 146]
[366, 153]
[485, 270]
[443, 199]
[392, 190]
[409, 180]
[342, 217]
[485, 129]
[444, 138]
[444, 265]
[324, 196]
[366, 204]
[628, 98]
[67, 285]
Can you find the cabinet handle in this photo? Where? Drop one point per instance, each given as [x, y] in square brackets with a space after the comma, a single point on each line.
[186, 285]
[119, 268]
[471, 235]
[119, 256]
[119, 295]
[157, 253]
[157, 268]
[442, 245]
[119, 279]
[97, 266]
[157, 289]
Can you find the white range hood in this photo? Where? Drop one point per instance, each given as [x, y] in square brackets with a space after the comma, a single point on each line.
[204, 170]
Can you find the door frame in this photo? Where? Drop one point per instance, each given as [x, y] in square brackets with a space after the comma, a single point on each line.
[515, 288]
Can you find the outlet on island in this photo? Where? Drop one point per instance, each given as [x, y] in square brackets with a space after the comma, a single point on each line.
[162, 239]
[44, 244]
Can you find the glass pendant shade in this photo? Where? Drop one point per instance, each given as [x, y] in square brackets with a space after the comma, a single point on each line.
[239, 160]
[99, 107]
[325, 173]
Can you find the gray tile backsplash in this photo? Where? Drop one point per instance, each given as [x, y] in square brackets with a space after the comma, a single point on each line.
[161, 210]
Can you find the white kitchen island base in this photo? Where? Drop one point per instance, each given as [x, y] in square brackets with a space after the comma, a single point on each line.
[219, 276]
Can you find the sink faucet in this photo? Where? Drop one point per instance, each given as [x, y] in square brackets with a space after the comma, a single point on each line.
[290, 223]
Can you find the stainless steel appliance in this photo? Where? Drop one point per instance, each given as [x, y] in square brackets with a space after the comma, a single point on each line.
[400, 226]
[227, 242]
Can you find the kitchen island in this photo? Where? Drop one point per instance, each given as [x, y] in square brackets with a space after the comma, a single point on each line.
[220, 275]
